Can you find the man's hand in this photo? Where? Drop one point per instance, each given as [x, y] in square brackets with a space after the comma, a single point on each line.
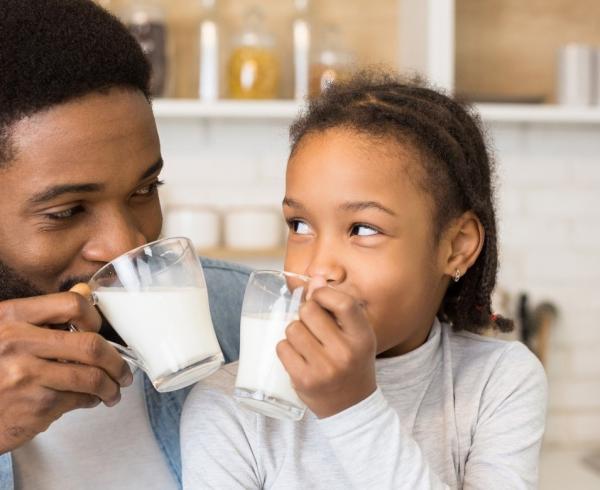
[45, 373]
[330, 353]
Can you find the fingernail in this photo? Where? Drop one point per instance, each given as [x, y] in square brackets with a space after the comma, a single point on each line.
[126, 380]
[82, 289]
[114, 401]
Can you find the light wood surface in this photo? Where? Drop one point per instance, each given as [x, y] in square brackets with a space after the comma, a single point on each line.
[369, 28]
[504, 48]
[508, 47]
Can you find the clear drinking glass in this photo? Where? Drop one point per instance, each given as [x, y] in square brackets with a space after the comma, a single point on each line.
[271, 303]
[156, 299]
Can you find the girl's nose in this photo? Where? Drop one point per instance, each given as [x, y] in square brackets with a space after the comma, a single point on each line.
[327, 264]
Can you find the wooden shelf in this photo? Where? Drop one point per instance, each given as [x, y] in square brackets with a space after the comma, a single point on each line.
[226, 109]
[537, 113]
[287, 110]
[233, 254]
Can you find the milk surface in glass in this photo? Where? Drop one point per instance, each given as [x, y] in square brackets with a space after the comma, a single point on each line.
[169, 328]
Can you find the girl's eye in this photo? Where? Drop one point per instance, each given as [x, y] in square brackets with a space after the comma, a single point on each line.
[149, 189]
[65, 214]
[299, 227]
[363, 230]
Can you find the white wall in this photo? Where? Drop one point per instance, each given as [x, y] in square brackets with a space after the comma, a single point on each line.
[549, 208]
[549, 212]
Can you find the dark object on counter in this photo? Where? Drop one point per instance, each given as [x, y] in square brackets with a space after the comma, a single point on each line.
[592, 461]
[524, 319]
[543, 317]
[536, 325]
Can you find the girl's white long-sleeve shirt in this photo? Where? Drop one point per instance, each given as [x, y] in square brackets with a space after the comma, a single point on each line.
[461, 411]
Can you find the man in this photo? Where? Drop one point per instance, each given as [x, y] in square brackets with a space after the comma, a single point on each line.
[79, 171]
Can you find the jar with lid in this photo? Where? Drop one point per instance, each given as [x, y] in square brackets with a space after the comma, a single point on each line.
[253, 68]
[330, 61]
[145, 19]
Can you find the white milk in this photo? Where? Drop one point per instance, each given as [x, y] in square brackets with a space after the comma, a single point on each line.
[260, 368]
[169, 329]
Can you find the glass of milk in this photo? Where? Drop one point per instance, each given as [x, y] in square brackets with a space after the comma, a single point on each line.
[271, 303]
[156, 299]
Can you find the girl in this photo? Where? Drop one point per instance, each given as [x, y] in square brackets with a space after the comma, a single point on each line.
[389, 202]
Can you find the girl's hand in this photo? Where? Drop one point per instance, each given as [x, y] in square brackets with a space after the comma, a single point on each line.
[329, 352]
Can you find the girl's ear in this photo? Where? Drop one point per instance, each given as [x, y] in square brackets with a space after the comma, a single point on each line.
[463, 242]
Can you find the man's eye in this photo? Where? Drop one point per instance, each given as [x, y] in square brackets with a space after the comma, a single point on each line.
[65, 214]
[363, 230]
[150, 189]
[299, 227]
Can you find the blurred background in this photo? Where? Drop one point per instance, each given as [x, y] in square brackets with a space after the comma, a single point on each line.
[230, 76]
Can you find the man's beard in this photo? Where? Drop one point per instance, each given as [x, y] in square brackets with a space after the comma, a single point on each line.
[14, 286]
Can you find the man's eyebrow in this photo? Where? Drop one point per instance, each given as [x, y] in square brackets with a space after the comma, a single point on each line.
[154, 168]
[360, 205]
[59, 190]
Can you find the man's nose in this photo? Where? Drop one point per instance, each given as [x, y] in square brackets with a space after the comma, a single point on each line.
[116, 234]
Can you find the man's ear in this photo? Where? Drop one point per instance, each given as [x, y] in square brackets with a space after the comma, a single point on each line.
[463, 242]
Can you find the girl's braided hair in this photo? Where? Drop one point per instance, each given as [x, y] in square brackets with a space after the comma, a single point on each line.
[458, 168]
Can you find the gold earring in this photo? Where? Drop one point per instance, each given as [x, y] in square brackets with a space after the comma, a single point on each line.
[457, 275]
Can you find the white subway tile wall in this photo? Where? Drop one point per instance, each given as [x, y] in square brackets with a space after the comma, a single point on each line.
[548, 210]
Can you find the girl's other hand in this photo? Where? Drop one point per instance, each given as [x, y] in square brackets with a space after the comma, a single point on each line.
[329, 352]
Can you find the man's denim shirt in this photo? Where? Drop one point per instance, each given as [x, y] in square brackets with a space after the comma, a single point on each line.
[226, 283]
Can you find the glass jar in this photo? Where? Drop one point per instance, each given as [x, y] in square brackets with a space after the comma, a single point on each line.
[301, 30]
[208, 49]
[330, 61]
[145, 19]
[253, 68]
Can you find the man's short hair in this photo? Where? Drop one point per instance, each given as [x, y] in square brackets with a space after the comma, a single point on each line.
[53, 51]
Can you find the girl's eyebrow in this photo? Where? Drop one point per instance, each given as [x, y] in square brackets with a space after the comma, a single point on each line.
[292, 203]
[347, 206]
[361, 205]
